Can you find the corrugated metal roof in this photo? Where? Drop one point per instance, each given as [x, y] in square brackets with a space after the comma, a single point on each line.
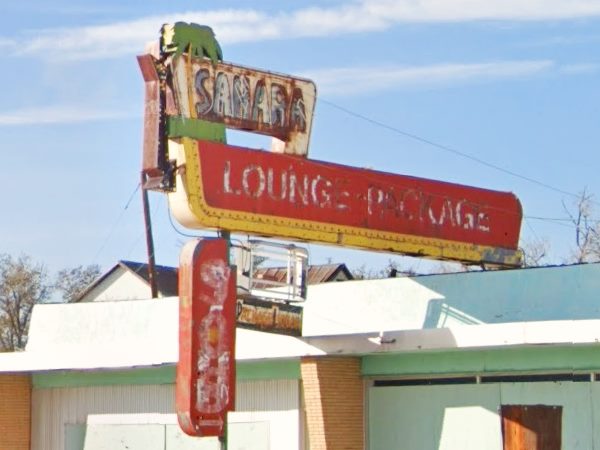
[315, 275]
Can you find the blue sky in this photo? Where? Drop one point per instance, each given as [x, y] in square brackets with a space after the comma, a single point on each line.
[513, 85]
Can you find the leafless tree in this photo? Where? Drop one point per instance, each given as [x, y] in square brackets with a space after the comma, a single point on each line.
[391, 270]
[535, 252]
[445, 267]
[23, 283]
[587, 230]
[72, 282]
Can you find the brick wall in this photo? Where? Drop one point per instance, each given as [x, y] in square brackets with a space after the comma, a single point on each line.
[334, 403]
[15, 412]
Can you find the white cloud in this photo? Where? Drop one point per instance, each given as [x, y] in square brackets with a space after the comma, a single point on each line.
[348, 81]
[345, 81]
[7, 43]
[564, 40]
[248, 25]
[469, 10]
[59, 114]
[583, 68]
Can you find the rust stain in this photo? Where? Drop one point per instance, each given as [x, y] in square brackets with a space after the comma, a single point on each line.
[270, 316]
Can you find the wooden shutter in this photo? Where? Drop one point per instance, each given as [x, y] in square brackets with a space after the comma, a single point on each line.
[531, 427]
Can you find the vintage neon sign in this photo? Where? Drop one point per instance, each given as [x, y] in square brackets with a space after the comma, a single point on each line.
[205, 377]
[258, 192]
[191, 93]
[247, 99]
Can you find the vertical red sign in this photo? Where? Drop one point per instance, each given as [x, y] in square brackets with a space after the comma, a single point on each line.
[205, 381]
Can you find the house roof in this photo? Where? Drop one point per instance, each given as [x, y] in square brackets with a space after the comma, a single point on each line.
[167, 280]
[166, 277]
[316, 274]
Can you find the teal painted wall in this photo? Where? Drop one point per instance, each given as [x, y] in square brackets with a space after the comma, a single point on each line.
[466, 417]
[428, 418]
[535, 294]
[524, 359]
[267, 370]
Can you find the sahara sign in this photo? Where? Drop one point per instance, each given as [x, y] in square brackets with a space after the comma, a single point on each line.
[190, 92]
[270, 194]
[245, 99]
[205, 379]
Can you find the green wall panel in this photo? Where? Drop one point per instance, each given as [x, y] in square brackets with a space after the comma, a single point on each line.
[524, 359]
[277, 370]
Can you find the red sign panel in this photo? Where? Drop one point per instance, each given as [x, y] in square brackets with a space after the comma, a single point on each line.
[363, 208]
[205, 381]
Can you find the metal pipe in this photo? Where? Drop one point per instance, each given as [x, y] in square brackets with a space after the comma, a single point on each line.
[149, 240]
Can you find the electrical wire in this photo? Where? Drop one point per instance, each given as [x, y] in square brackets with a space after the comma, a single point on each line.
[559, 219]
[116, 222]
[141, 236]
[561, 222]
[447, 149]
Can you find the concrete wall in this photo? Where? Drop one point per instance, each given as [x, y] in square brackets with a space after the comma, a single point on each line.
[15, 411]
[534, 294]
[436, 301]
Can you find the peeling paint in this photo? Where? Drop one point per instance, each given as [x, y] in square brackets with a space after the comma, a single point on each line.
[205, 376]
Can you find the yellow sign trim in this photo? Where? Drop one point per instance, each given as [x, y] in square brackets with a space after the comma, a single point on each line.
[191, 209]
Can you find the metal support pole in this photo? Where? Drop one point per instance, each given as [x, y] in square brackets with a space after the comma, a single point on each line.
[149, 239]
[225, 234]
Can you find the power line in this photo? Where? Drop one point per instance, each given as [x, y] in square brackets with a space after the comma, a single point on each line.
[553, 221]
[116, 222]
[142, 234]
[447, 149]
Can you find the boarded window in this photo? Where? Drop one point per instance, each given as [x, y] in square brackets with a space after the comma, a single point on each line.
[531, 427]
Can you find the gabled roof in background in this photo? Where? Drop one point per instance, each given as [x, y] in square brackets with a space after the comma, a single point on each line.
[166, 277]
[315, 275]
[168, 283]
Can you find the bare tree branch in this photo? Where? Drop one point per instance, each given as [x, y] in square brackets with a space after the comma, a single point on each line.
[22, 285]
[72, 282]
[587, 233]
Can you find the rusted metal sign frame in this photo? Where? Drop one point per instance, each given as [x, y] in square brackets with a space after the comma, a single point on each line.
[155, 162]
[480, 227]
[205, 376]
[272, 317]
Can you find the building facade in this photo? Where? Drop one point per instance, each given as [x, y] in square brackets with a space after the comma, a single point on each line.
[465, 361]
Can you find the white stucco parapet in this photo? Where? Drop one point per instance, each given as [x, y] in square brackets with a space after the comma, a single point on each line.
[144, 333]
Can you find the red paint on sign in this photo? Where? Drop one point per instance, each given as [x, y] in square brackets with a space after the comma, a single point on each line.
[260, 182]
[205, 381]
